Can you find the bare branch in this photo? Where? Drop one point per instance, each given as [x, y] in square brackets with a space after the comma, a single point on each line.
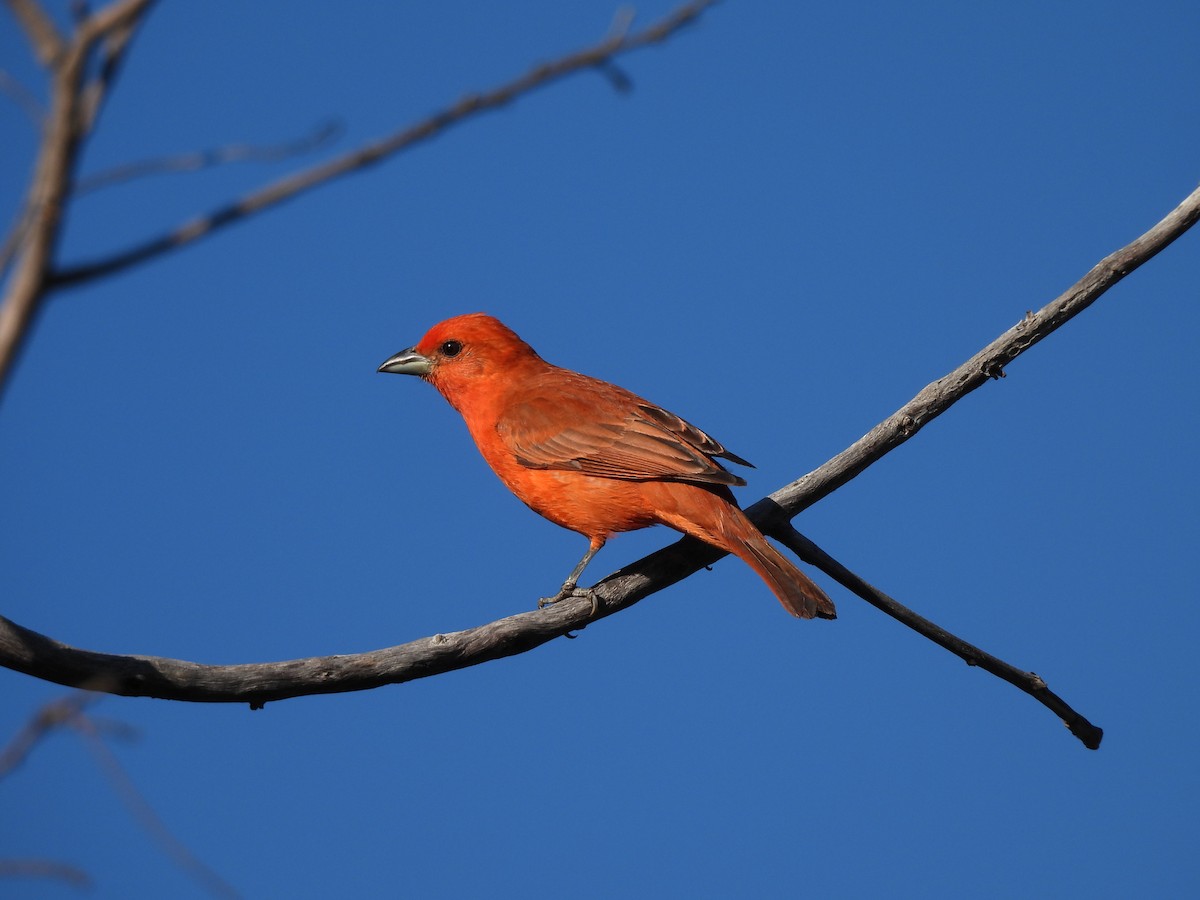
[599, 57]
[203, 159]
[111, 20]
[12, 241]
[47, 43]
[1030, 683]
[987, 364]
[49, 717]
[23, 97]
[36, 235]
[42, 657]
[149, 819]
[45, 868]
[39, 226]
[117, 24]
[68, 712]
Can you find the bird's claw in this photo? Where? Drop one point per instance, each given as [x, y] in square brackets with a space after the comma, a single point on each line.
[569, 590]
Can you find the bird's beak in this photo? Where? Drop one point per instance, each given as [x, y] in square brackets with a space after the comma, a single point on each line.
[407, 362]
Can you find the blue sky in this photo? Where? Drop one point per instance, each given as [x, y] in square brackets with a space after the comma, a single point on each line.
[799, 217]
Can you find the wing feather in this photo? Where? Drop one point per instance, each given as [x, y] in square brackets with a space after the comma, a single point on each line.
[570, 422]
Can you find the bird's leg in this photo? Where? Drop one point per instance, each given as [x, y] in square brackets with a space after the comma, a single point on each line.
[570, 586]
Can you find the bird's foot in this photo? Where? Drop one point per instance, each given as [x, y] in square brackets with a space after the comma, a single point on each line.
[569, 590]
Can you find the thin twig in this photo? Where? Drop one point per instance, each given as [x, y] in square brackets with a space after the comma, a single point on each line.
[203, 159]
[36, 237]
[114, 46]
[44, 38]
[150, 820]
[596, 57]
[12, 241]
[68, 712]
[45, 868]
[1030, 683]
[23, 97]
[51, 716]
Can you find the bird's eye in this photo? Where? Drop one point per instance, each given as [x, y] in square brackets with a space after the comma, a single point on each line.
[451, 348]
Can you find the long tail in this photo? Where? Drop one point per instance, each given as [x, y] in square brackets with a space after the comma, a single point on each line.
[795, 590]
[727, 527]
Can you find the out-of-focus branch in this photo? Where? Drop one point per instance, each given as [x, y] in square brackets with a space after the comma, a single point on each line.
[203, 159]
[73, 106]
[598, 57]
[51, 716]
[69, 712]
[45, 868]
[44, 38]
[112, 53]
[39, 226]
[23, 98]
[258, 683]
[146, 815]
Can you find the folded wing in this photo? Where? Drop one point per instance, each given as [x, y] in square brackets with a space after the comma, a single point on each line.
[571, 422]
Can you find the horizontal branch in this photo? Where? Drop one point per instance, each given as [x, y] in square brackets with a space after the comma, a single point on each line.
[599, 56]
[257, 683]
[45, 868]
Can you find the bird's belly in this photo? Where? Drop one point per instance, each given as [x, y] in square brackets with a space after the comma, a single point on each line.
[592, 506]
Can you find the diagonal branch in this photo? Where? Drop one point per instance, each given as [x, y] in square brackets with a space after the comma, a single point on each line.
[47, 43]
[117, 33]
[45, 868]
[598, 56]
[194, 867]
[51, 716]
[73, 107]
[935, 398]
[38, 227]
[70, 711]
[1029, 682]
[257, 683]
[23, 97]
[204, 159]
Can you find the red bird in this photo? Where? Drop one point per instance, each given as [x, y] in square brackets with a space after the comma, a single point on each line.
[591, 456]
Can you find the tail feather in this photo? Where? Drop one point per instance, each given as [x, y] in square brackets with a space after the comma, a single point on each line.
[795, 590]
[712, 516]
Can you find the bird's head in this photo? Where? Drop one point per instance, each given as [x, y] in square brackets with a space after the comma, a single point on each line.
[457, 355]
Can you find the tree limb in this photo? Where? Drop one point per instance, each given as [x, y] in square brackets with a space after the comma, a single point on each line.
[1029, 682]
[178, 852]
[44, 38]
[53, 715]
[935, 398]
[70, 712]
[45, 868]
[23, 98]
[203, 159]
[116, 31]
[257, 683]
[598, 56]
[73, 108]
[39, 226]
